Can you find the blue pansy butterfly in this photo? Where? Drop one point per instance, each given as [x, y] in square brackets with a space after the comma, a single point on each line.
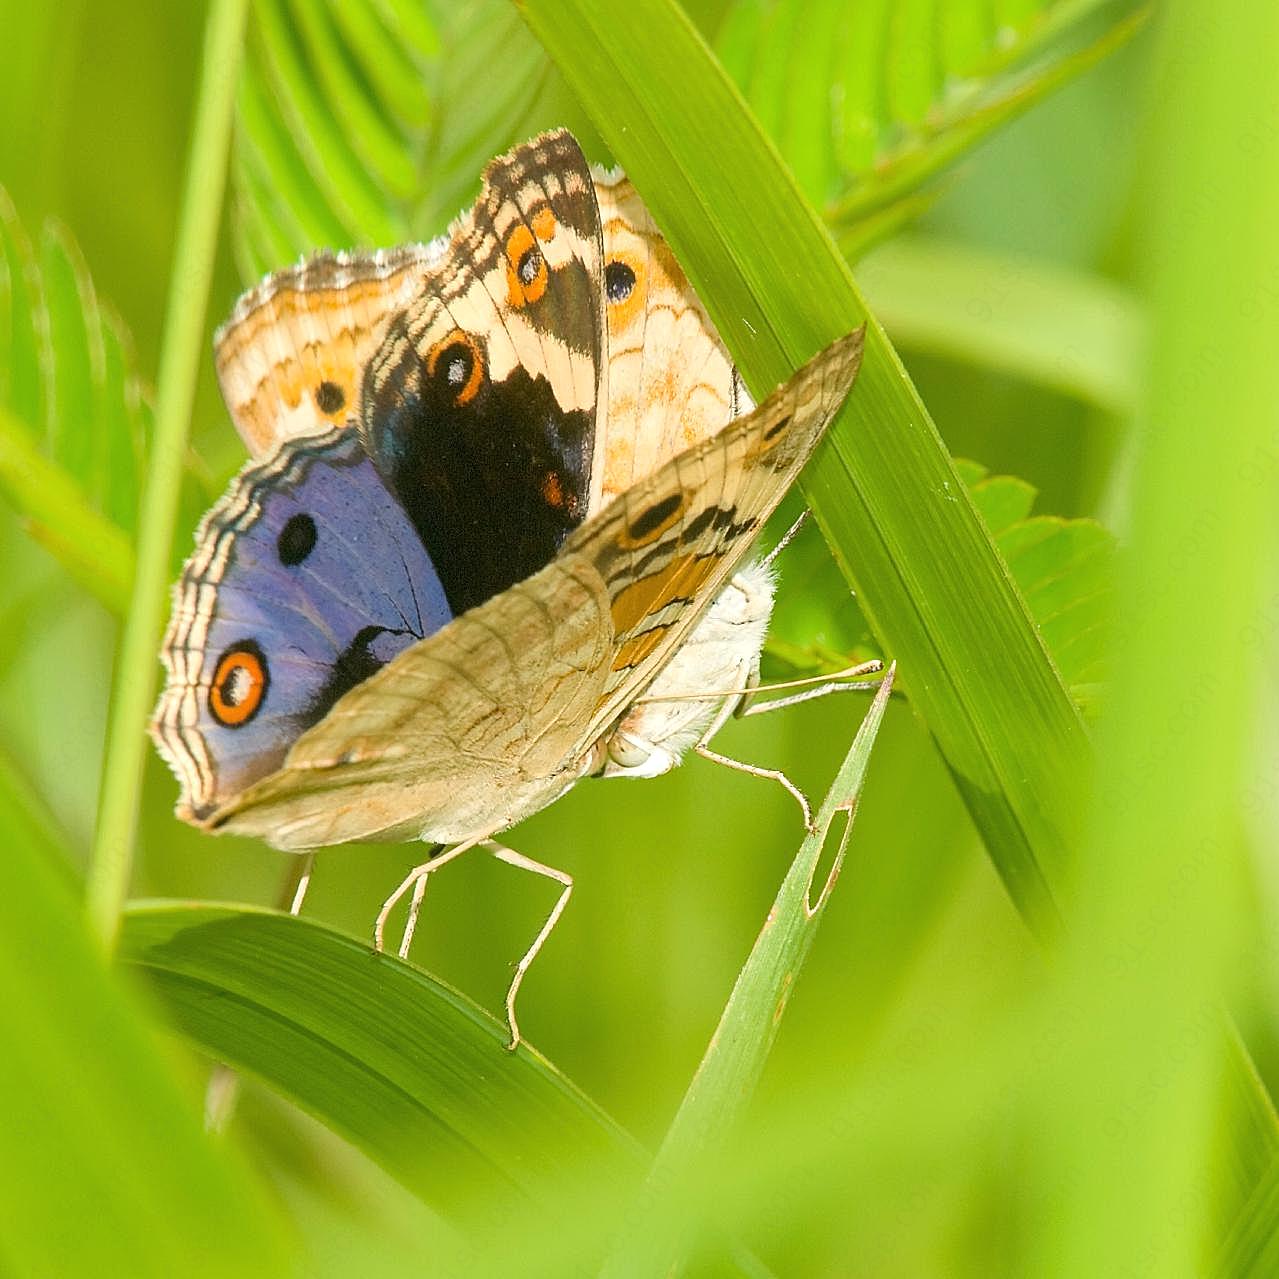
[496, 535]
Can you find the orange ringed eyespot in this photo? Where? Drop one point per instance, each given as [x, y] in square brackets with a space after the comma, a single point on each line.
[239, 684]
[459, 360]
[526, 273]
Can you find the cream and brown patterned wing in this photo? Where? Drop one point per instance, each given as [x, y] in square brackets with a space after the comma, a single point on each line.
[671, 383]
[668, 545]
[290, 356]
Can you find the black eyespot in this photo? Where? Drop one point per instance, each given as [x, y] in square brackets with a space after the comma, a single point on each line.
[455, 361]
[296, 540]
[329, 397]
[619, 280]
[529, 265]
[455, 364]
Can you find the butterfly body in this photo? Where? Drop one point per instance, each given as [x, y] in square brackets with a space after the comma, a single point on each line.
[549, 501]
[720, 655]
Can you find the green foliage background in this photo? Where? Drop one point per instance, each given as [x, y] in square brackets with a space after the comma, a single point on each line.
[1083, 301]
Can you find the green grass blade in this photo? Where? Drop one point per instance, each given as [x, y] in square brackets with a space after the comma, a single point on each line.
[105, 1169]
[659, 1237]
[134, 685]
[888, 499]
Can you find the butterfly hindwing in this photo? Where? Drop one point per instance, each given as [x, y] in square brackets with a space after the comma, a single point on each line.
[465, 739]
[482, 404]
[290, 357]
[499, 713]
[306, 578]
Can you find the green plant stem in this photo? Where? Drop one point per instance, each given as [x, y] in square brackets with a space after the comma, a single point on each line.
[134, 686]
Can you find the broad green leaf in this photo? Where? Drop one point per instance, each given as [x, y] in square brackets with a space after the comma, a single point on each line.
[1076, 334]
[658, 1237]
[867, 104]
[502, 1145]
[106, 1170]
[1064, 567]
[406, 1068]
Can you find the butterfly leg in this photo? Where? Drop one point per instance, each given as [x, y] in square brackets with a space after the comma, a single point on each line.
[725, 712]
[565, 880]
[415, 880]
[788, 537]
[772, 774]
[298, 882]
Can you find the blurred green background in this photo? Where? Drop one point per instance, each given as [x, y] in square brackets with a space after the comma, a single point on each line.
[1014, 300]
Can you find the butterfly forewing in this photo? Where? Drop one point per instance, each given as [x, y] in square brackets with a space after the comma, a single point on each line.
[481, 406]
[668, 544]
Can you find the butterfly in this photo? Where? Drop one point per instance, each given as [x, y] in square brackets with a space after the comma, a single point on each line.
[495, 536]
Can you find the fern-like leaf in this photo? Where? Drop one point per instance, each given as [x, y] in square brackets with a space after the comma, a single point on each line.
[367, 122]
[1063, 567]
[867, 105]
[75, 415]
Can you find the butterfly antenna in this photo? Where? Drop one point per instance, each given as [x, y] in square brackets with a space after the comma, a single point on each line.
[787, 537]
